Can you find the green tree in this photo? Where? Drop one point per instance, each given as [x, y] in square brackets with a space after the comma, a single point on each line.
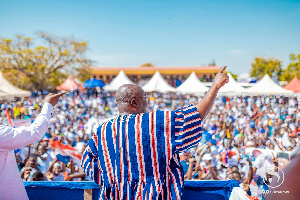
[262, 66]
[149, 64]
[83, 73]
[293, 69]
[233, 75]
[35, 67]
[213, 63]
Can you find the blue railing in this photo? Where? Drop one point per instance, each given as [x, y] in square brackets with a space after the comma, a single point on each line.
[193, 190]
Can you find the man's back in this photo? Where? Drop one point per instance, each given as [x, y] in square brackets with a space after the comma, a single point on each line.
[135, 155]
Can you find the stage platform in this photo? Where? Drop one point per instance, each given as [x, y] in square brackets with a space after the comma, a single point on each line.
[193, 190]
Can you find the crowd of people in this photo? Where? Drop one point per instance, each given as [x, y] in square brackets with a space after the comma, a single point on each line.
[241, 136]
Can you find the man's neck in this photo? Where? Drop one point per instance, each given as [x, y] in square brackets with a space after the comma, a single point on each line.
[124, 113]
[128, 113]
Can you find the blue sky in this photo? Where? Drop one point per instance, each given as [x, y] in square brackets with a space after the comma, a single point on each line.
[164, 32]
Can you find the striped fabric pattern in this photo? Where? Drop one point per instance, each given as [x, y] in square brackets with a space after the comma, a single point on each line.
[136, 156]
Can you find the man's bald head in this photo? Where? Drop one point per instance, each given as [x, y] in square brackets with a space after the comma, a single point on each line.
[130, 99]
[128, 91]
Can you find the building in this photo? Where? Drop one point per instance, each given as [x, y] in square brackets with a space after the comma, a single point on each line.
[137, 74]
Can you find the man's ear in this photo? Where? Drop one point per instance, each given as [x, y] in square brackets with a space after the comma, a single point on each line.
[134, 103]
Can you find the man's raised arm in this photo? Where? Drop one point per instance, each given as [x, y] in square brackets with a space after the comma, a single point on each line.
[207, 102]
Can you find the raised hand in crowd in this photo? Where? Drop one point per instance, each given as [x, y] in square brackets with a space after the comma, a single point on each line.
[49, 175]
[27, 173]
[213, 172]
[246, 185]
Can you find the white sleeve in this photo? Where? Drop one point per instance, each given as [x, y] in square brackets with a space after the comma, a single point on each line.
[15, 138]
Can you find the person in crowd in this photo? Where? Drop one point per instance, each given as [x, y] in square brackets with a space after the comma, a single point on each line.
[137, 151]
[30, 167]
[54, 172]
[38, 176]
[19, 162]
[11, 186]
[44, 156]
[17, 113]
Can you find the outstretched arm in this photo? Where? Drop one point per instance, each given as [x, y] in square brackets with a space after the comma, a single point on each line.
[51, 165]
[207, 102]
[188, 129]
[78, 175]
[15, 138]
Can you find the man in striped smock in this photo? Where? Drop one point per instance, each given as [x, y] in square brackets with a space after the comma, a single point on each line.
[135, 155]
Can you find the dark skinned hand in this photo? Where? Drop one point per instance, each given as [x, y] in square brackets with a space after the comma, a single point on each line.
[53, 98]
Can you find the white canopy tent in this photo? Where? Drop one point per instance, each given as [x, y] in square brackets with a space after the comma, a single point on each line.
[266, 86]
[120, 80]
[192, 85]
[5, 96]
[158, 84]
[9, 88]
[231, 88]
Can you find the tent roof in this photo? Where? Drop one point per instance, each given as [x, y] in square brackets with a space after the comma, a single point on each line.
[232, 87]
[120, 80]
[9, 88]
[268, 87]
[293, 85]
[192, 85]
[6, 96]
[69, 84]
[158, 84]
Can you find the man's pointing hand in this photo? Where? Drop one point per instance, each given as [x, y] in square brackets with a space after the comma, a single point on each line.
[53, 98]
[221, 78]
